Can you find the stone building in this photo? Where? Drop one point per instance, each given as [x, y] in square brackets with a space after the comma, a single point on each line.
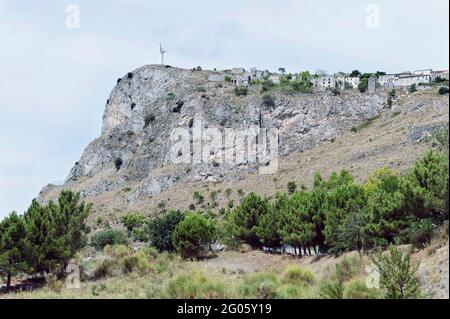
[243, 79]
[326, 82]
[216, 77]
[237, 71]
[443, 74]
[422, 72]
[353, 81]
[258, 74]
[408, 80]
[386, 80]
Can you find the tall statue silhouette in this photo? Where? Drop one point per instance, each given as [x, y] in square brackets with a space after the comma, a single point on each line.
[162, 51]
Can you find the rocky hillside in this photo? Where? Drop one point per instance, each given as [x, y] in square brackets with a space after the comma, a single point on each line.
[129, 167]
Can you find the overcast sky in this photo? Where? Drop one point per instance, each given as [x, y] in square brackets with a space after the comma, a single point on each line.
[55, 80]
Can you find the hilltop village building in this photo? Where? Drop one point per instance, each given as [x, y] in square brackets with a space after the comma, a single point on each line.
[241, 77]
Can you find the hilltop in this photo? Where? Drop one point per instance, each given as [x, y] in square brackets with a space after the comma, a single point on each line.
[129, 166]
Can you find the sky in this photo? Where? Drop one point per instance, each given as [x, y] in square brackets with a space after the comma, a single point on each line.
[56, 73]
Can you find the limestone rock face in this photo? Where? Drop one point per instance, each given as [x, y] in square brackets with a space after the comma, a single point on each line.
[147, 104]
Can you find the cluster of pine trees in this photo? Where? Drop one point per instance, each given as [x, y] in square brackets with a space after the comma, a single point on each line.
[340, 214]
[44, 238]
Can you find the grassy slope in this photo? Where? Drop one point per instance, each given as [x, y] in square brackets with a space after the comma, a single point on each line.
[242, 275]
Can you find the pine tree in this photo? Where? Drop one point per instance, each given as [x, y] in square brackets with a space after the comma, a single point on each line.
[194, 235]
[427, 187]
[55, 232]
[245, 218]
[387, 219]
[13, 247]
[344, 203]
[269, 226]
[298, 228]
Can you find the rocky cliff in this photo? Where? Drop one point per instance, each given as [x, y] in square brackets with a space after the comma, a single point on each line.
[130, 163]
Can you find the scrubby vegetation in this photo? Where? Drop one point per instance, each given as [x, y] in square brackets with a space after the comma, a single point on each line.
[108, 237]
[240, 91]
[335, 216]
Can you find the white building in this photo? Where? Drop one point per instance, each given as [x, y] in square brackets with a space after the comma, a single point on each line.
[422, 72]
[408, 80]
[327, 81]
[258, 74]
[353, 81]
[443, 74]
[237, 70]
[216, 77]
[243, 79]
[275, 78]
[386, 80]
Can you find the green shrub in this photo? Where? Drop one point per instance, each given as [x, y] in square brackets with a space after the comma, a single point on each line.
[363, 85]
[298, 276]
[117, 252]
[421, 232]
[108, 237]
[194, 235]
[345, 270]
[331, 289]
[349, 267]
[268, 100]
[413, 88]
[132, 221]
[443, 90]
[259, 286]
[160, 230]
[357, 289]
[199, 198]
[398, 276]
[289, 291]
[105, 269]
[129, 264]
[240, 91]
[171, 96]
[195, 286]
[291, 187]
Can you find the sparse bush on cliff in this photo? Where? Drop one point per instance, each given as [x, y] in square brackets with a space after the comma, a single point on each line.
[413, 88]
[268, 100]
[199, 198]
[443, 90]
[118, 163]
[240, 91]
[108, 237]
[291, 187]
[149, 118]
